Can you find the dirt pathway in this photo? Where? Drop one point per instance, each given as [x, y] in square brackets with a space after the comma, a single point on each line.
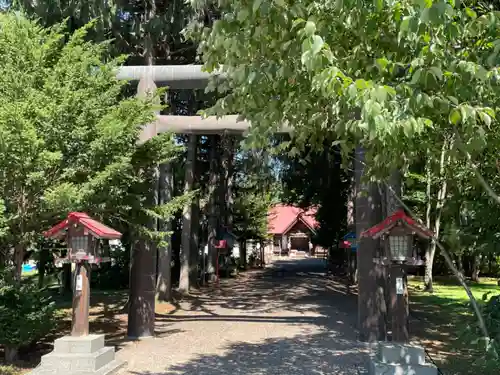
[267, 322]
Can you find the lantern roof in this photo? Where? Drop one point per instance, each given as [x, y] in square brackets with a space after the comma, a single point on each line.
[96, 228]
[398, 218]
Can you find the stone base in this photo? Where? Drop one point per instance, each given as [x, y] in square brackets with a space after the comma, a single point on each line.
[84, 355]
[400, 359]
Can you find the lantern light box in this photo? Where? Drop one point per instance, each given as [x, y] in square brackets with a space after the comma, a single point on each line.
[83, 235]
[397, 232]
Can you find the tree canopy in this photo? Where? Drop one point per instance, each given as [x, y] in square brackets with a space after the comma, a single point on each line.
[382, 74]
[67, 135]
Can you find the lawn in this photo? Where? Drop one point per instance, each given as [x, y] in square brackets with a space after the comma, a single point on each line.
[439, 321]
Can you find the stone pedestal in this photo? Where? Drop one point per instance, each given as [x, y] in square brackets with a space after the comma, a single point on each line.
[400, 359]
[84, 355]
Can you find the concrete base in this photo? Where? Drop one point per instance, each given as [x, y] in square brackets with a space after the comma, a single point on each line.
[84, 355]
[400, 359]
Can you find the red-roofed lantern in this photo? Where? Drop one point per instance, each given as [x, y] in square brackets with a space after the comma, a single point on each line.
[397, 232]
[83, 235]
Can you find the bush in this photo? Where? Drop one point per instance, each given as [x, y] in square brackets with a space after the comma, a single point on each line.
[486, 361]
[26, 314]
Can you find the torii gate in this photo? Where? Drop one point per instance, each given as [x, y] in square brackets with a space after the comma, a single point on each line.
[181, 77]
[148, 78]
[193, 77]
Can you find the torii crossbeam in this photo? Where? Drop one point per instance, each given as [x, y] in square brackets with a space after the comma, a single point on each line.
[182, 77]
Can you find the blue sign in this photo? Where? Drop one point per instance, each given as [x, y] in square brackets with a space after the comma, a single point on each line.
[351, 237]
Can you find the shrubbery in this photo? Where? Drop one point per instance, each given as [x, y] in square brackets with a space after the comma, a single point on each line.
[486, 360]
[26, 314]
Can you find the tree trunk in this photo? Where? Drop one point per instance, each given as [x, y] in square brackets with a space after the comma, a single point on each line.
[18, 260]
[460, 263]
[141, 314]
[229, 176]
[476, 268]
[186, 221]
[223, 181]
[143, 255]
[429, 263]
[371, 295]
[195, 242]
[164, 277]
[42, 265]
[429, 254]
[441, 197]
[11, 354]
[243, 254]
[212, 207]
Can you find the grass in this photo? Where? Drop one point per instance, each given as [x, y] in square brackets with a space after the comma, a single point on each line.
[439, 320]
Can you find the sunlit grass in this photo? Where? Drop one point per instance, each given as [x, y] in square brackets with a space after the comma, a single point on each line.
[12, 370]
[449, 291]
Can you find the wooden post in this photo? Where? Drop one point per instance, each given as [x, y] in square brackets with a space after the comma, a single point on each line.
[81, 300]
[399, 304]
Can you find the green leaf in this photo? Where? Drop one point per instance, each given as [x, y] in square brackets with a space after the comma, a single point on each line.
[416, 76]
[256, 5]
[436, 72]
[405, 24]
[471, 13]
[485, 118]
[317, 44]
[455, 117]
[310, 28]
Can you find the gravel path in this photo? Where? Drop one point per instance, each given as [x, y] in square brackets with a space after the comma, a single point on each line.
[265, 322]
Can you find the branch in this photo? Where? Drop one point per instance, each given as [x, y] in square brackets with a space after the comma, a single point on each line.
[475, 169]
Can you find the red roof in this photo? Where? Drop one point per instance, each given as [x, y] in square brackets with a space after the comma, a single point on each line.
[281, 218]
[391, 221]
[98, 229]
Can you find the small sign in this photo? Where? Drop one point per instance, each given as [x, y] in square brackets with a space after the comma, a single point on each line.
[399, 286]
[79, 283]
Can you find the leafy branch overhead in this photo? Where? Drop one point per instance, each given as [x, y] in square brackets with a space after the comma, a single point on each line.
[380, 73]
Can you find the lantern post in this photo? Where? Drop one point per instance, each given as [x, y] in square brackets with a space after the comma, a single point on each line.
[81, 352]
[350, 243]
[83, 235]
[397, 232]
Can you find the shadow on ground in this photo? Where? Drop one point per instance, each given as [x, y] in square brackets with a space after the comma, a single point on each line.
[294, 286]
[323, 353]
[299, 288]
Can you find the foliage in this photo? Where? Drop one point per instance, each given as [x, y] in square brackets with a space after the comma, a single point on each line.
[68, 140]
[128, 23]
[316, 178]
[26, 312]
[381, 74]
[489, 361]
[254, 193]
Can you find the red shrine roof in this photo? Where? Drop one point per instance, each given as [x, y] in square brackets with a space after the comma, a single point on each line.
[97, 228]
[391, 221]
[281, 218]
